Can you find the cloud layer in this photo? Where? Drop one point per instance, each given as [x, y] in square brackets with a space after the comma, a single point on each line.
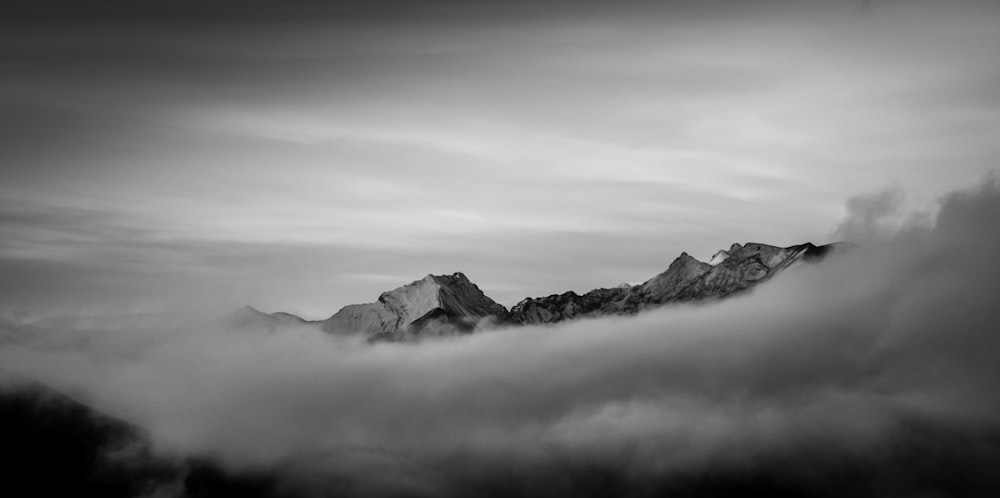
[873, 374]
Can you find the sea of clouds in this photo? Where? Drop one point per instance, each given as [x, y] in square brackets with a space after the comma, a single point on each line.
[875, 373]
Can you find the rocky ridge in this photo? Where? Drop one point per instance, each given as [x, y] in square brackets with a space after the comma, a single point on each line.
[433, 305]
[685, 280]
[451, 304]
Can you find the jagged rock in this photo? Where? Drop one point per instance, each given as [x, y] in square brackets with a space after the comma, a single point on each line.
[723, 254]
[664, 286]
[558, 307]
[744, 268]
[618, 300]
[433, 305]
[451, 304]
[719, 257]
[685, 280]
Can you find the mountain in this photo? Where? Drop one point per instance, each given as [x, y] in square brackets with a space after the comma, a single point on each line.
[686, 280]
[54, 445]
[249, 317]
[746, 266]
[433, 305]
[451, 304]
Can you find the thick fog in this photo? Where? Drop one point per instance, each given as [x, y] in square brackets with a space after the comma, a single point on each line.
[873, 373]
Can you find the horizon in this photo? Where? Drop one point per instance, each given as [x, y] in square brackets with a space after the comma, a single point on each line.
[530, 296]
[308, 156]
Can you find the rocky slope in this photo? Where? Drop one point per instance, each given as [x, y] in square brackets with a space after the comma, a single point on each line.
[433, 305]
[451, 304]
[685, 280]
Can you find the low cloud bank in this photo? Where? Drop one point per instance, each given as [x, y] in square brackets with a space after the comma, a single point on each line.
[874, 373]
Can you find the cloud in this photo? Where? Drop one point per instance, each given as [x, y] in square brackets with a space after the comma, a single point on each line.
[871, 216]
[873, 374]
[410, 125]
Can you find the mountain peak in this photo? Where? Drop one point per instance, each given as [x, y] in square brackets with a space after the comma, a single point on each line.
[685, 259]
[681, 270]
[450, 300]
[248, 314]
[719, 257]
[451, 303]
[685, 280]
[249, 317]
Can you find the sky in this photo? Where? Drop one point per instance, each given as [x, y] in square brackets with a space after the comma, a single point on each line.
[305, 156]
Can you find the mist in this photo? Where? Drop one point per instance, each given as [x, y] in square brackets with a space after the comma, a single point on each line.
[872, 373]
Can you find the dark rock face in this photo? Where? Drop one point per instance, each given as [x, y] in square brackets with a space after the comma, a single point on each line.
[665, 286]
[685, 280]
[744, 268]
[568, 305]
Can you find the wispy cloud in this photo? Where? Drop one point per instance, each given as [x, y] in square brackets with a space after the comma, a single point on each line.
[421, 129]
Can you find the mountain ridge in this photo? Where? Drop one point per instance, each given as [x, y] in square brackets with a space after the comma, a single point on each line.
[439, 305]
[418, 307]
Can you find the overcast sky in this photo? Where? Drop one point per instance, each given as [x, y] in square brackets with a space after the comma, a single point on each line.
[305, 157]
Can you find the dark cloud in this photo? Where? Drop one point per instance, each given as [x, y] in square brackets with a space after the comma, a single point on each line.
[872, 374]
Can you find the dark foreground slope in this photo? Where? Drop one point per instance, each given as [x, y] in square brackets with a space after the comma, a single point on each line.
[54, 446]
